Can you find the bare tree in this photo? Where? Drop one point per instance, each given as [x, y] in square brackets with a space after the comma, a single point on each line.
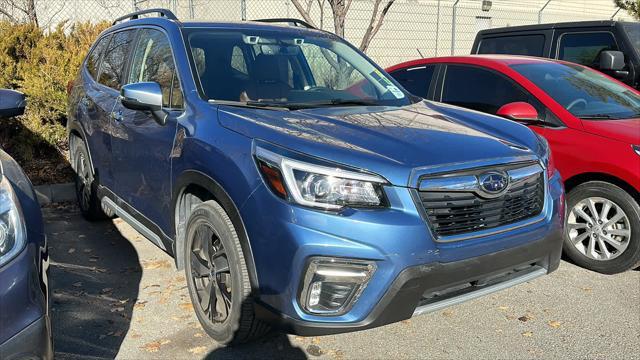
[24, 9]
[631, 6]
[340, 8]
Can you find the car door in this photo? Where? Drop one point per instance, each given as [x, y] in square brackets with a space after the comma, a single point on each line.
[99, 100]
[487, 91]
[142, 147]
[93, 108]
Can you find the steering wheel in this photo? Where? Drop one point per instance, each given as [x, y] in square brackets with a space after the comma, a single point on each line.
[576, 102]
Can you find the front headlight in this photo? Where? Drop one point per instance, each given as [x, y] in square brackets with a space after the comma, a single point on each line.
[12, 231]
[319, 186]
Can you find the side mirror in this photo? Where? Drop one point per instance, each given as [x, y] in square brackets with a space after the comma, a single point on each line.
[519, 111]
[611, 60]
[12, 103]
[144, 96]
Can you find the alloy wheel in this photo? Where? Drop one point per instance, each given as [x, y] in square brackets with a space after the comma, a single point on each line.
[210, 274]
[599, 228]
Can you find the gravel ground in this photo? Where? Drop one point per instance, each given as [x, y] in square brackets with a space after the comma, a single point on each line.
[115, 295]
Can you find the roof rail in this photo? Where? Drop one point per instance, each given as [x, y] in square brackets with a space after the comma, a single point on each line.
[291, 21]
[136, 15]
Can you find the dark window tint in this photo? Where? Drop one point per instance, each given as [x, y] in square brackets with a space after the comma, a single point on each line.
[416, 79]
[532, 45]
[479, 89]
[585, 48]
[93, 60]
[114, 59]
[152, 61]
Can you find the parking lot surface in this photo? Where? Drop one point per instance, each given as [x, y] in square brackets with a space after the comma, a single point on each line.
[114, 294]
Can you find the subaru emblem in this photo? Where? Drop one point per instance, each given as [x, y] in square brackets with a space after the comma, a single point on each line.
[493, 183]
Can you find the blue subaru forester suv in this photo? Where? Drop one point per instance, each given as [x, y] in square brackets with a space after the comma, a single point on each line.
[299, 186]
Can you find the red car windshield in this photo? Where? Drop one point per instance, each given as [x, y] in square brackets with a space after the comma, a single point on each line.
[585, 93]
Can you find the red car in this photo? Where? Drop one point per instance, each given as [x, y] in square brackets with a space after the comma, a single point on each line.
[591, 121]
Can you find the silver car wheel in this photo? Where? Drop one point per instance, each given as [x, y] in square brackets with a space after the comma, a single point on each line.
[599, 228]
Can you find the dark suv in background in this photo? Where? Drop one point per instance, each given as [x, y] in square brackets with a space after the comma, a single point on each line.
[612, 47]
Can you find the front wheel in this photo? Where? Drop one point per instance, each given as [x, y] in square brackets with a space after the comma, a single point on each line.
[603, 228]
[217, 277]
[86, 185]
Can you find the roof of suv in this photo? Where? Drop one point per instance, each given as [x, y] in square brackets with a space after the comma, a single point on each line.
[562, 25]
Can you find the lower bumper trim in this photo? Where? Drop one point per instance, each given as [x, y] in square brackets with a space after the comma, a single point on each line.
[536, 272]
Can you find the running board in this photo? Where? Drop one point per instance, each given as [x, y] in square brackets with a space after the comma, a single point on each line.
[145, 231]
[480, 292]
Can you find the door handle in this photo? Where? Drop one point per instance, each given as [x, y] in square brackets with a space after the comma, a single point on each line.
[116, 116]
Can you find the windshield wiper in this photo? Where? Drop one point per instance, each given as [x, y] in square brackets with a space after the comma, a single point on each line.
[253, 104]
[597, 117]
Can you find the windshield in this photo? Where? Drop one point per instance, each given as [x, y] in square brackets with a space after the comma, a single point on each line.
[290, 69]
[633, 31]
[585, 93]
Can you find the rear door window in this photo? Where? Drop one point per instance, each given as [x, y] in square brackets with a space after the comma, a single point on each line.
[416, 79]
[480, 89]
[113, 63]
[531, 45]
[584, 48]
[153, 62]
[93, 60]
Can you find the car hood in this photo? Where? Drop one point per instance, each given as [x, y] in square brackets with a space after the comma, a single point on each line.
[390, 141]
[627, 130]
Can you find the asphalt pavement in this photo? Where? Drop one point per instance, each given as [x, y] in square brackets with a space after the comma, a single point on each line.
[116, 295]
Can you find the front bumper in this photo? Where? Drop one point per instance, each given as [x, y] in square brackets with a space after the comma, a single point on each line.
[406, 296]
[25, 326]
[414, 274]
[33, 342]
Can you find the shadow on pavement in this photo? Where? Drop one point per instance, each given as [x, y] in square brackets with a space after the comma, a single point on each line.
[95, 275]
[273, 346]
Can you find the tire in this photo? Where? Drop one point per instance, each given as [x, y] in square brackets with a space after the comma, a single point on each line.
[86, 185]
[213, 250]
[620, 238]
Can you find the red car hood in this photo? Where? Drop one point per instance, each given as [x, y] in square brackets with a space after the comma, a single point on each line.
[627, 130]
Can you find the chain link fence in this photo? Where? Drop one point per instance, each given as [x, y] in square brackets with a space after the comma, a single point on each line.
[412, 28]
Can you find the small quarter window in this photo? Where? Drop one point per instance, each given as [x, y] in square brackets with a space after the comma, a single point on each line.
[93, 60]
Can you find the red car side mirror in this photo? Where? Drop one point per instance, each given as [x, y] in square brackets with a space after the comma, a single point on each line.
[519, 111]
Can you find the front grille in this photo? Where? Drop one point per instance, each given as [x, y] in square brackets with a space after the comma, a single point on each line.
[463, 211]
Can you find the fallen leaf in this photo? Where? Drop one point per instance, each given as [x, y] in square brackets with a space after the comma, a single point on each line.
[77, 284]
[186, 306]
[106, 290]
[555, 324]
[447, 313]
[198, 335]
[156, 264]
[503, 308]
[86, 251]
[314, 350]
[153, 346]
[164, 341]
[136, 336]
[527, 334]
[198, 350]
[118, 309]
[524, 318]
[118, 333]
[71, 251]
[587, 289]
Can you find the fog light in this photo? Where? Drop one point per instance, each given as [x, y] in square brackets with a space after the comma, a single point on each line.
[331, 286]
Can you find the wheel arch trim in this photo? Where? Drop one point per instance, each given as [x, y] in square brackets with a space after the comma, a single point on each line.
[202, 180]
